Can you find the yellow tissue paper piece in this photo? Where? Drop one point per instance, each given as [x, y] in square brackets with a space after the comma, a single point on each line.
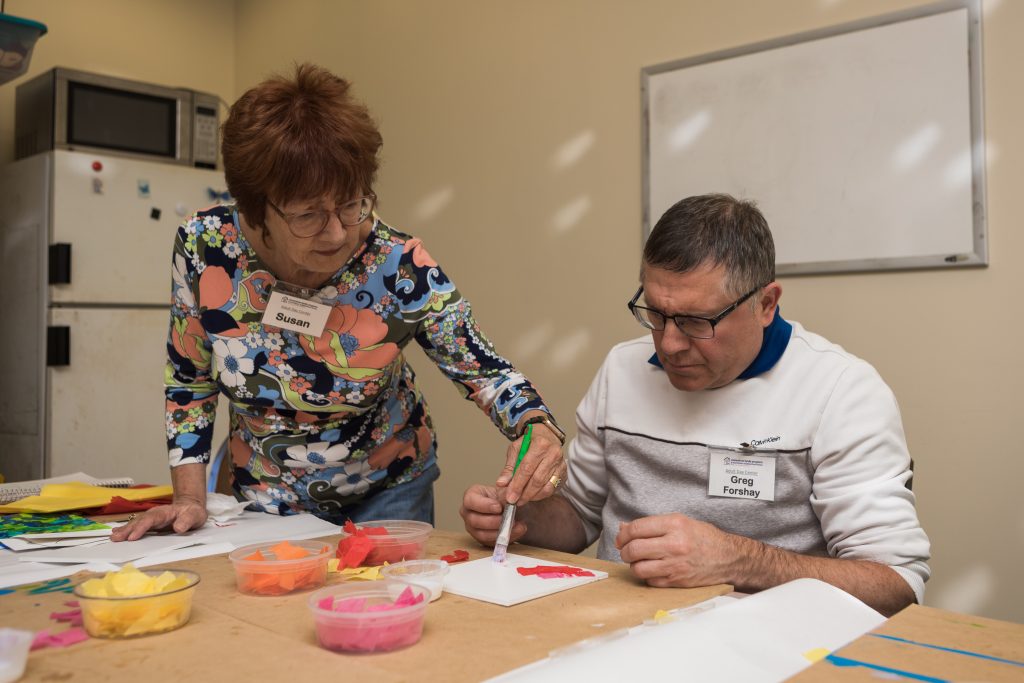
[663, 617]
[356, 573]
[75, 495]
[816, 654]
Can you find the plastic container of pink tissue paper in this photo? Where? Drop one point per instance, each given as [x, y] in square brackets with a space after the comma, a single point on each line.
[372, 616]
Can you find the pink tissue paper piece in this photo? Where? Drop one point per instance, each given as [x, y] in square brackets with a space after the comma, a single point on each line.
[62, 639]
[73, 617]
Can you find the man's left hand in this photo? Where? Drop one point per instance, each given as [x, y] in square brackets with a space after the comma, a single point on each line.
[675, 551]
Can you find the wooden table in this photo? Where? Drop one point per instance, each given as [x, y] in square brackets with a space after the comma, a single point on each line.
[928, 644]
[235, 636]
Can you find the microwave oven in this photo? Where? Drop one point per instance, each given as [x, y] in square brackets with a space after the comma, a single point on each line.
[75, 110]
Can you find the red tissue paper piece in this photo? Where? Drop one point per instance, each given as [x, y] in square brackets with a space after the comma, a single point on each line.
[373, 546]
[558, 571]
[353, 550]
[458, 555]
[62, 639]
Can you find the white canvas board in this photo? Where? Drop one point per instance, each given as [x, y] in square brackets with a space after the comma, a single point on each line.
[501, 584]
[765, 637]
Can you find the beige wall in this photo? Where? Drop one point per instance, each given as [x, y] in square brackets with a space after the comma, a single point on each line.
[512, 146]
[186, 43]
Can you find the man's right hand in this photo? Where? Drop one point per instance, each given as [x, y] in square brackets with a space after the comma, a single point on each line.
[181, 516]
[481, 513]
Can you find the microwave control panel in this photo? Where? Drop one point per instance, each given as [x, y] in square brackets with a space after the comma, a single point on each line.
[205, 131]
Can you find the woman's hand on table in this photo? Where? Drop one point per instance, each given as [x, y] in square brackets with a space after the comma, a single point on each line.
[481, 513]
[541, 471]
[182, 515]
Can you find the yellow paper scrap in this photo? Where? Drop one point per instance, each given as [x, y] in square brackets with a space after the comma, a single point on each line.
[356, 573]
[663, 617]
[816, 654]
[76, 495]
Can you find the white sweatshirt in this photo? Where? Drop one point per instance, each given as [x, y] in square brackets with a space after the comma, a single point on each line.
[841, 475]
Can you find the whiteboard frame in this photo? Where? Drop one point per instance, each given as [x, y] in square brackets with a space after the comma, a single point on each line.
[979, 257]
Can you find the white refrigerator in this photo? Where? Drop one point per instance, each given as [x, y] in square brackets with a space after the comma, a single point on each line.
[85, 288]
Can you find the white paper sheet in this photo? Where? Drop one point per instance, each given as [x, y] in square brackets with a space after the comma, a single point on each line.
[85, 533]
[188, 553]
[17, 544]
[252, 527]
[760, 638]
[486, 580]
[118, 553]
[34, 572]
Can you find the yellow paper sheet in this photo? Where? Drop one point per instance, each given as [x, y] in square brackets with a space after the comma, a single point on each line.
[77, 496]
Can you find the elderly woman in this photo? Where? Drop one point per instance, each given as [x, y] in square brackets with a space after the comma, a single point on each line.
[295, 303]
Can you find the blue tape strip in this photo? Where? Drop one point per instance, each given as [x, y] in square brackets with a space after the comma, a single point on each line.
[844, 661]
[967, 653]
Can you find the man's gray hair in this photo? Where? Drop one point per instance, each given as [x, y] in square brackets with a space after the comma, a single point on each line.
[718, 230]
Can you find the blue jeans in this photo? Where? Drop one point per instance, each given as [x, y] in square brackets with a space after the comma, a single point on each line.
[412, 500]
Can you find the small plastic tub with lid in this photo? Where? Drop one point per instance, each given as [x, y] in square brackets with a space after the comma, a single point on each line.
[427, 573]
[280, 568]
[372, 616]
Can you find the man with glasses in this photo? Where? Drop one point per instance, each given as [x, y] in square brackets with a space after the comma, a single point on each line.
[731, 445]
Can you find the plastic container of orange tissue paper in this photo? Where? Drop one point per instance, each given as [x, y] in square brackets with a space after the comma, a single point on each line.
[280, 568]
[131, 602]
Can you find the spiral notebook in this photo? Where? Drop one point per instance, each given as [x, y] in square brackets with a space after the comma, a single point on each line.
[16, 490]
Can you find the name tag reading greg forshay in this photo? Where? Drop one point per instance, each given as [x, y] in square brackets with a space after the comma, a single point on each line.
[296, 314]
[740, 474]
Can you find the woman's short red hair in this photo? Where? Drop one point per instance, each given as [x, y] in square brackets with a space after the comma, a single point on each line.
[296, 139]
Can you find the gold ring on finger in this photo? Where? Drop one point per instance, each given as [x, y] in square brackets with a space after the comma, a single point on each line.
[555, 480]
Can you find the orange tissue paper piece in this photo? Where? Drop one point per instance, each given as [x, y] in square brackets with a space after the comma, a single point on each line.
[286, 551]
[256, 557]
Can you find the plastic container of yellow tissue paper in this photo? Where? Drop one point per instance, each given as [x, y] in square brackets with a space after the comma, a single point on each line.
[129, 602]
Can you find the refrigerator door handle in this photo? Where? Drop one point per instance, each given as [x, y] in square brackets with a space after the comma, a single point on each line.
[58, 345]
[60, 263]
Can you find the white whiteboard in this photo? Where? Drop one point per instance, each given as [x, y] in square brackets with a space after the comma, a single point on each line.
[862, 144]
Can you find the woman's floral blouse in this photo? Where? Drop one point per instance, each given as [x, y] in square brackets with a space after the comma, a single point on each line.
[318, 424]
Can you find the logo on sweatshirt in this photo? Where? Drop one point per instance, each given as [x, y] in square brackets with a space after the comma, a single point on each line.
[755, 443]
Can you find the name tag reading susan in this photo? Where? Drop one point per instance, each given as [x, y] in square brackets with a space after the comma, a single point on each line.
[296, 309]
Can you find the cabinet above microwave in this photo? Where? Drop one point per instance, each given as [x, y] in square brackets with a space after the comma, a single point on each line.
[75, 110]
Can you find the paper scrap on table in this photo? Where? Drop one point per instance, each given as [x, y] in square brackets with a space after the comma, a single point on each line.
[457, 555]
[502, 584]
[355, 573]
[221, 507]
[44, 638]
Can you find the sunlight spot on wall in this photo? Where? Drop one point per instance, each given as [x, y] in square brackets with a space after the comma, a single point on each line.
[566, 350]
[687, 132]
[570, 214]
[434, 203]
[573, 150]
[969, 592]
[915, 148]
[533, 341]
